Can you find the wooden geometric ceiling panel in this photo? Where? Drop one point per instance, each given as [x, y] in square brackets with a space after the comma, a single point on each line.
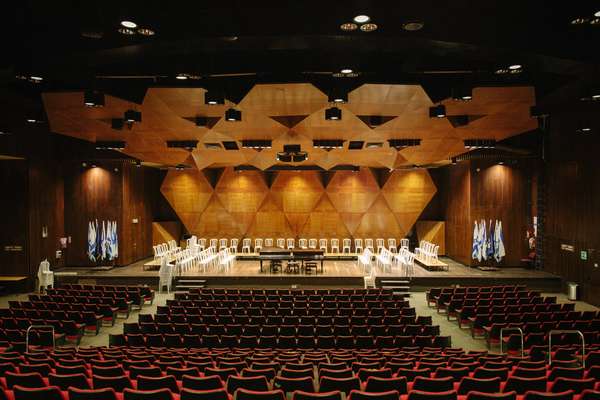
[296, 204]
[290, 112]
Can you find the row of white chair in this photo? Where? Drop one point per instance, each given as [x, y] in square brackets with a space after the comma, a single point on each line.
[427, 251]
[328, 245]
[165, 249]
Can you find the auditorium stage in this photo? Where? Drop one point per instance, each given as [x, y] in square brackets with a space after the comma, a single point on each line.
[339, 273]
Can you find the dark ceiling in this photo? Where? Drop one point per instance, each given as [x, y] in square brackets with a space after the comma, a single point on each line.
[463, 41]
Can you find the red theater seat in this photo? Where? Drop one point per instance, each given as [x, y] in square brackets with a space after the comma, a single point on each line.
[160, 394]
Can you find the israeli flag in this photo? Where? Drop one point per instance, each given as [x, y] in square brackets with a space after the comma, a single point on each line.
[483, 241]
[475, 241]
[115, 240]
[500, 252]
[490, 243]
[109, 241]
[103, 242]
[91, 241]
[98, 248]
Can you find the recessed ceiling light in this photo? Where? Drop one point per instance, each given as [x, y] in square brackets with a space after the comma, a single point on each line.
[595, 21]
[412, 26]
[146, 32]
[181, 77]
[36, 78]
[368, 27]
[126, 31]
[346, 70]
[349, 26]
[597, 14]
[128, 24]
[31, 120]
[361, 19]
[515, 66]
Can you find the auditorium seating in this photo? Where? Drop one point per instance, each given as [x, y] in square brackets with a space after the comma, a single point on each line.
[223, 374]
[341, 318]
[72, 310]
[489, 309]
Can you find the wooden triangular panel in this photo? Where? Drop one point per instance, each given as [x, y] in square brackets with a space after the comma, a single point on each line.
[244, 221]
[351, 221]
[297, 192]
[289, 121]
[325, 222]
[352, 192]
[297, 221]
[270, 221]
[213, 175]
[381, 175]
[241, 191]
[326, 177]
[270, 178]
[210, 121]
[217, 222]
[373, 121]
[379, 221]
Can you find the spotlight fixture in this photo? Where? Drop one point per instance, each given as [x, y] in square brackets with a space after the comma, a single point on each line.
[348, 26]
[399, 144]
[30, 78]
[328, 144]
[292, 153]
[4, 132]
[333, 114]
[438, 111]
[213, 98]
[126, 31]
[201, 121]
[480, 143]
[188, 145]
[117, 123]
[413, 26]
[515, 66]
[374, 145]
[511, 69]
[128, 24]
[181, 77]
[93, 98]
[132, 116]
[36, 78]
[462, 93]
[146, 32]
[584, 127]
[597, 14]
[362, 19]
[110, 145]
[338, 95]
[232, 115]
[346, 70]
[368, 27]
[212, 146]
[256, 144]
[591, 95]
[595, 21]
[180, 167]
[579, 21]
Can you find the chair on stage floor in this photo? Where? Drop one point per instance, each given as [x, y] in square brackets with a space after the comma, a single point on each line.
[281, 243]
[302, 243]
[369, 244]
[269, 242]
[380, 244]
[290, 243]
[404, 243]
[312, 243]
[358, 246]
[246, 243]
[222, 244]
[323, 245]
[392, 246]
[233, 245]
[335, 245]
[347, 245]
[214, 243]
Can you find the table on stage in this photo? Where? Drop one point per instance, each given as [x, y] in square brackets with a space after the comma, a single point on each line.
[296, 254]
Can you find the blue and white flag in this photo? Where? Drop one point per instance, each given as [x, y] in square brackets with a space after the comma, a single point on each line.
[490, 243]
[103, 242]
[500, 251]
[91, 241]
[483, 240]
[109, 240]
[98, 249]
[475, 251]
[115, 240]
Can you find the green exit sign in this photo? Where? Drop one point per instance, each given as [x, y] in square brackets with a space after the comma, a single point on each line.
[583, 255]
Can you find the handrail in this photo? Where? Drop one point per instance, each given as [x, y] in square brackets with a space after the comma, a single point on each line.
[562, 331]
[38, 327]
[512, 328]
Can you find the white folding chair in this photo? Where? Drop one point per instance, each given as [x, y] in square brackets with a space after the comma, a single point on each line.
[335, 245]
[380, 244]
[392, 245]
[202, 244]
[258, 244]
[246, 243]
[290, 243]
[222, 244]
[268, 242]
[404, 243]
[45, 276]
[364, 259]
[369, 245]
[302, 243]
[358, 246]
[347, 245]
[214, 243]
[323, 245]
[233, 245]
[312, 243]
[281, 243]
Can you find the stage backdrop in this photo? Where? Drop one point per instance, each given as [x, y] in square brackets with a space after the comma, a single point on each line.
[308, 204]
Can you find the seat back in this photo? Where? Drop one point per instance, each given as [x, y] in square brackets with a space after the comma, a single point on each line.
[92, 394]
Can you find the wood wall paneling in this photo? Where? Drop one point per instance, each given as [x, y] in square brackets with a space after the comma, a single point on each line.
[456, 194]
[164, 231]
[433, 232]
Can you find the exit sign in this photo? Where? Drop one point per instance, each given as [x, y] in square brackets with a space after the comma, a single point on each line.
[583, 255]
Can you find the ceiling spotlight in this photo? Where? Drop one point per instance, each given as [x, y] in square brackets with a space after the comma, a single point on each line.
[110, 145]
[146, 32]
[480, 143]
[181, 77]
[348, 26]
[400, 144]
[368, 27]
[328, 144]
[462, 93]
[333, 114]
[126, 31]
[361, 19]
[292, 153]
[233, 115]
[188, 145]
[515, 66]
[93, 98]
[437, 111]
[256, 144]
[337, 95]
[595, 21]
[128, 24]
[179, 167]
[584, 129]
[597, 14]
[212, 98]
[413, 26]
[36, 78]
[132, 116]
[346, 70]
